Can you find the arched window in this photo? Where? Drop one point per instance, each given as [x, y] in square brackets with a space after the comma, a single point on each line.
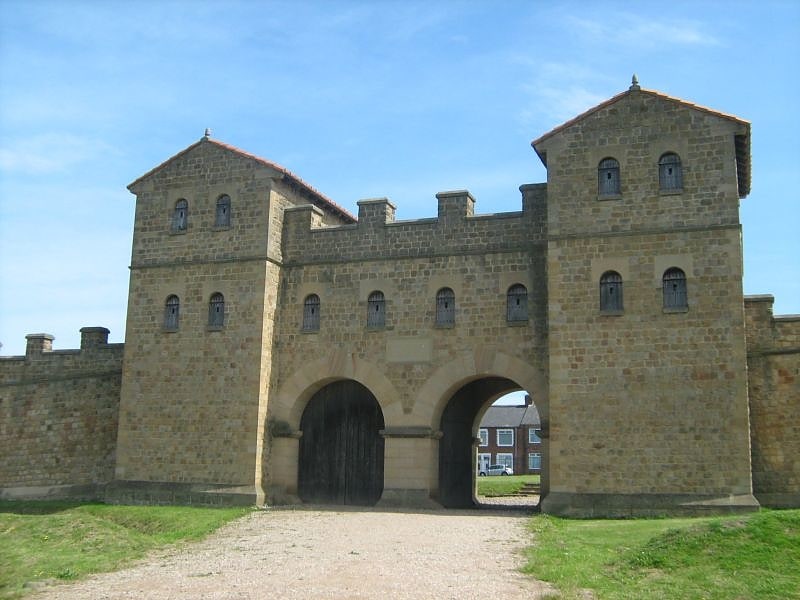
[674, 286]
[445, 307]
[611, 291]
[216, 310]
[180, 217]
[172, 310]
[517, 303]
[223, 218]
[670, 175]
[311, 313]
[608, 177]
[376, 310]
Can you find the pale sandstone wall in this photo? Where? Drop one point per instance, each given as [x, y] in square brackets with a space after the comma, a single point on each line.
[479, 257]
[58, 417]
[648, 409]
[773, 364]
[193, 406]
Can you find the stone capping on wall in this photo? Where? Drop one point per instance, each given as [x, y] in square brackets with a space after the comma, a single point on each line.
[41, 344]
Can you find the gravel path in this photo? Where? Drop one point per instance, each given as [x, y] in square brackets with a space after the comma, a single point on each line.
[334, 553]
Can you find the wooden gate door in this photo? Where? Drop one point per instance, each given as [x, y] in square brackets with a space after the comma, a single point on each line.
[341, 449]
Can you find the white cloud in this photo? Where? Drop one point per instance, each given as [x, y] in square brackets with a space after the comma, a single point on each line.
[642, 32]
[49, 153]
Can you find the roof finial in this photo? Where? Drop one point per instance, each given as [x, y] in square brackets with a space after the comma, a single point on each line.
[207, 134]
[635, 83]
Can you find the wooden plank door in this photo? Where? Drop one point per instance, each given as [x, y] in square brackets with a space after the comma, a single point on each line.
[341, 450]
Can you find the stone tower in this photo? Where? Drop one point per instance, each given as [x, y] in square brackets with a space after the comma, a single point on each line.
[201, 312]
[645, 313]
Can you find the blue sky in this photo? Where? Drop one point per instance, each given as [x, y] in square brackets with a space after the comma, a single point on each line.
[360, 99]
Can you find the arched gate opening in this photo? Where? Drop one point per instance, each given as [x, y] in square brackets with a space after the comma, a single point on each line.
[457, 455]
[341, 449]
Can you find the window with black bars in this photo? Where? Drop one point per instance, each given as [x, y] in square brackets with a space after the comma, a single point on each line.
[376, 310]
[611, 291]
[445, 307]
[517, 303]
[311, 307]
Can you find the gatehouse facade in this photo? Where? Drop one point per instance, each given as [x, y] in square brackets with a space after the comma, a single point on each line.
[279, 349]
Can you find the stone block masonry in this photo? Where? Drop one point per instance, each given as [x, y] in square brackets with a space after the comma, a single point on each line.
[58, 417]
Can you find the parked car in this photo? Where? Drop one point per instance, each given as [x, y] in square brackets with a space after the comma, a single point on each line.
[496, 470]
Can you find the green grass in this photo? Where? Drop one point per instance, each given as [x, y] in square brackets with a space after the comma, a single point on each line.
[503, 485]
[51, 540]
[747, 557]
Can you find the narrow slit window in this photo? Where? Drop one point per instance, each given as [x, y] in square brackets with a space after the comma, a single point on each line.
[172, 312]
[674, 286]
[517, 303]
[611, 292]
[180, 216]
[216, 310]
[670, 174]
[445, 307]
[311, 313]
[608, 177]
[223, 211]
[376, 310]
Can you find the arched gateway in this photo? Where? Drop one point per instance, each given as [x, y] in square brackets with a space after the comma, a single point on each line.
[341, 449]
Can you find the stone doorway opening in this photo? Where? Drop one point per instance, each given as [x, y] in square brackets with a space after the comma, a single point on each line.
[341, 452]
[464, 453]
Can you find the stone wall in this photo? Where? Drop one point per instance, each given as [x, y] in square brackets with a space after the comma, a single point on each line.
[773, 365]
[648, 404]
[58, 417]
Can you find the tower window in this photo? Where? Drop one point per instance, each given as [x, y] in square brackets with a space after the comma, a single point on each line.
[171, 313]
[216, 310]
[223, 218]
[445, 307]
[311, 313]
[517, 303]
[670, 175]
[376, 310]
[608, 177]
[180, 216]
[674, 286]
[611, 292]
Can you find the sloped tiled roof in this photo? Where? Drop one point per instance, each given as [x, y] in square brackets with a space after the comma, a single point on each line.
[318, 198]
[742, 145]
[510, 416]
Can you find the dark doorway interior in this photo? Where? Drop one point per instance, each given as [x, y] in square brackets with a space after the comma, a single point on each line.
[341, 449]
[456, 468]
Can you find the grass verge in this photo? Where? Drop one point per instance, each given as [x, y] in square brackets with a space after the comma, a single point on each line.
[753, 556]
[56, 540]
[503, 485]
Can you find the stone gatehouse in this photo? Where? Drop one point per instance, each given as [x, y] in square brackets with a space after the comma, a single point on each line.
[280, 349]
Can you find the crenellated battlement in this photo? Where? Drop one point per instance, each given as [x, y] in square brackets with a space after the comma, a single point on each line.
[377, 235]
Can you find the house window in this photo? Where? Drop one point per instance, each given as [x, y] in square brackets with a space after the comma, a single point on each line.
[180, 215]
[445, 307]
[505, 459]
[223, 218]
[674, 286]
[483, 434]
[505, 437]
[376, 310]
[311, 313]
[608, 177]
[533, 436]
[670, 174]
[216, 310]
[517, 303]
[535, 461]
[611, 291]
[171, 312]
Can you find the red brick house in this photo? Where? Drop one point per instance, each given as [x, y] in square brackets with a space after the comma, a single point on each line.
[509, 435]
